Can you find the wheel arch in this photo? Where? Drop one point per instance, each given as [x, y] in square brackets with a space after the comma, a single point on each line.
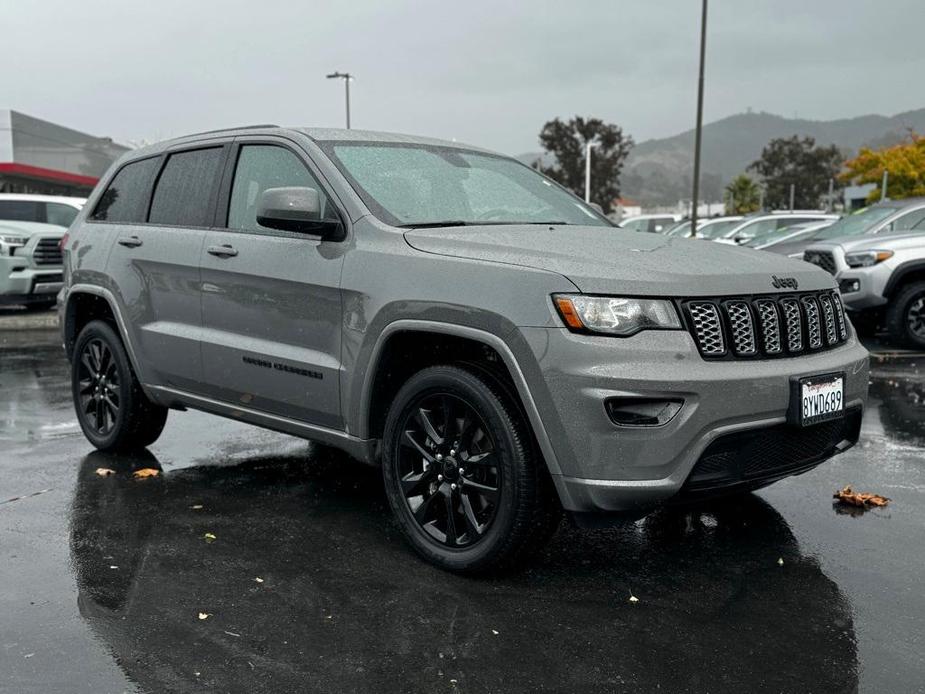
[86, 302]
[376, 393]
[910, 271]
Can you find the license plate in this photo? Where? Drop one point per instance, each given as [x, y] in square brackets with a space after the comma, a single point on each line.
[819, 398]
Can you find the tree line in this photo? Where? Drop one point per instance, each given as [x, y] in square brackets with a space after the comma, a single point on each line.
[786, 164]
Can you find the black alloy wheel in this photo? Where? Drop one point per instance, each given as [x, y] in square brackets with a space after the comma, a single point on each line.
[98, 393]
[915, 317]
[449, 470]
[462, 474]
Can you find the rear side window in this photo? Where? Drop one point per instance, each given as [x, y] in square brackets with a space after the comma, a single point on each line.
[22, 210]
[183, 194]
[126, 196]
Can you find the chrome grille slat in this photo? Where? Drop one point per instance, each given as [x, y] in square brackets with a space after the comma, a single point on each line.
[707, 327]
[743, 328]
[794, 325]
[770, 326]
[828, 318]
[813, 322]
[840, 315]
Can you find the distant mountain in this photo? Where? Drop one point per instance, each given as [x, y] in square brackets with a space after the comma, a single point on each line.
[659, 172]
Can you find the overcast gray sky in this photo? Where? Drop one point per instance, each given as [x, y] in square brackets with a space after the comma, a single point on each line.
[487, 73]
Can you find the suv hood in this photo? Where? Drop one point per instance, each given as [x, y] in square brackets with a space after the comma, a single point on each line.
[612, 261]
[876, 242]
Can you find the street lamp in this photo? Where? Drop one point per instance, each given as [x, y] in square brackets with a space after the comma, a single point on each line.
[703, 50]
[346, 76]
[588, 147]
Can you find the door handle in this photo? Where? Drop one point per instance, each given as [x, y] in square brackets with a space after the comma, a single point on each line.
[223, 251]
[130, 241]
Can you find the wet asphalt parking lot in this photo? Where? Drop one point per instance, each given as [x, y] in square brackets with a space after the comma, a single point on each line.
[308, 585]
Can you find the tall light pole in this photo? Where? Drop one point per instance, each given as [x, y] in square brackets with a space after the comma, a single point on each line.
[346, 76]
[588, 147]
[703, 52]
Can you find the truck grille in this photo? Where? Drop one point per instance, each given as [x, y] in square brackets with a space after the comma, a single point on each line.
[823, 259]
[47, 252]
[766, 326]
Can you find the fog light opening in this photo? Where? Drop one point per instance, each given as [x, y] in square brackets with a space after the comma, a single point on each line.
[642, 412]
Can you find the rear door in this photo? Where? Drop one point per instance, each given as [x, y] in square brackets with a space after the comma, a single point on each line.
[271, 303]
[155, 265]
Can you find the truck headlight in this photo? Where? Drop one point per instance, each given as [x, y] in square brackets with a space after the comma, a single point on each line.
[8, 243]
[613, 315]
[866, 258]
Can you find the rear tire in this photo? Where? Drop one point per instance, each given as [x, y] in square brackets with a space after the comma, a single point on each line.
[455, 447]
[905, 318]
[113, 411]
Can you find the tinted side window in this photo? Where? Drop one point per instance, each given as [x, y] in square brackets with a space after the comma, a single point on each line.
[126, 197]
[57, 213]
[266, 166]
[22, 210]
[183, 192]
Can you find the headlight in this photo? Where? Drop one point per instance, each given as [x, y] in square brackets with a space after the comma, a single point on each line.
[8, 243]
[867, 258]
[615, 315]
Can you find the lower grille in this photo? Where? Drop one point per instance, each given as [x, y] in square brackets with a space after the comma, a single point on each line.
[823, 259]
[750, 458]
[47, 252]
[766, 326]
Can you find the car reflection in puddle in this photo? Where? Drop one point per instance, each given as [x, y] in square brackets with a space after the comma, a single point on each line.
[343, 604]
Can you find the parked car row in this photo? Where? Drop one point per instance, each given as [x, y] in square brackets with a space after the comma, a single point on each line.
[877, 256]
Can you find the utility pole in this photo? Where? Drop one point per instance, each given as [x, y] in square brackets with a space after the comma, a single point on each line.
[831, 194]
[793, 190]
[346, 76]
[588, 147]
[703, 53]
[886, 179]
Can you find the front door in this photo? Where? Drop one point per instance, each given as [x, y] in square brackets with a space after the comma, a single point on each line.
[271, 301]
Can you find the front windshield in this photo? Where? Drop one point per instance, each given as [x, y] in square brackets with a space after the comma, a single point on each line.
[680, 229]
[420, 185]
[715, 230]
[857, 223]
[777, 235]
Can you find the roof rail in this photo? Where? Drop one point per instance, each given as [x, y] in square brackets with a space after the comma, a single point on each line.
[237, 127]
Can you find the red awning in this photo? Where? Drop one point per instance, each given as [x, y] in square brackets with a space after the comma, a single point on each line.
[28, 171]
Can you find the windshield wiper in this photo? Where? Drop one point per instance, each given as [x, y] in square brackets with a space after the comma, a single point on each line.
[445, 223]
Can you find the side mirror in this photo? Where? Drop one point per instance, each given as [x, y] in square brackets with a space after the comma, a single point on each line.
[296, 209]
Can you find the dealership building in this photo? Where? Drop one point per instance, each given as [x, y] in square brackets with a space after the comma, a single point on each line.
[41, 157]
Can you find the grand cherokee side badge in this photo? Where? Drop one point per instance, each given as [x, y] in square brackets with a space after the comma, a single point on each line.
[784, 282]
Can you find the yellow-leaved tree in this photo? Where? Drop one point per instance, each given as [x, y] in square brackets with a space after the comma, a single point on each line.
[905, 163]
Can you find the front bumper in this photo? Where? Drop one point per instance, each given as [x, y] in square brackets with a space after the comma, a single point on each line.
[21, 281]
[605, 467]
[863, 288]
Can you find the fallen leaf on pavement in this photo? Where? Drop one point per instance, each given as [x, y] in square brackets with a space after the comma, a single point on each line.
[209, 537]
[104, 471]
[495, 632]
[259, 580]
[145, 472]
[633, 598]
[780, 561]
[196, 507]
[861, 499]
[204, 615]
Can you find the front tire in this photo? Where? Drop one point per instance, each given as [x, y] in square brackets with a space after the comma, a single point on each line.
[906, 316]
[113, 411]
[461, 475]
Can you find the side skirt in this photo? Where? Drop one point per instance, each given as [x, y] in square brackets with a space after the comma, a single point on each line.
[364, 450]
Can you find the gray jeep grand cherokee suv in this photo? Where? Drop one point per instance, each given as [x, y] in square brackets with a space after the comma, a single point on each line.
[493, 342]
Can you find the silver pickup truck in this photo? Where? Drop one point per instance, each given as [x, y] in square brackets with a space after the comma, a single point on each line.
[30, 263]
